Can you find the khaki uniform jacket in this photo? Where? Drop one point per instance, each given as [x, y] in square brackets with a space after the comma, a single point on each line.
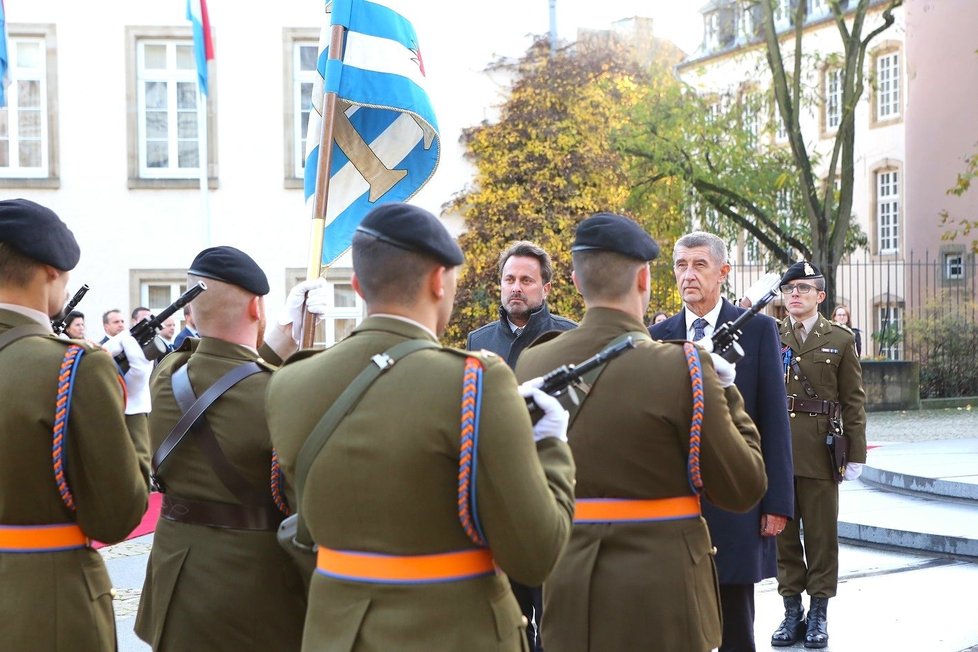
[210, 588]
[62, 601]
[387, 480]
[828, 358]
[651, 585]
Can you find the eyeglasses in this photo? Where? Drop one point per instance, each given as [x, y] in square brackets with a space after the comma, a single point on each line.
[803, 288]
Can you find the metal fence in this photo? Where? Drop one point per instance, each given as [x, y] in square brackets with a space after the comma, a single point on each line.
[899, 305]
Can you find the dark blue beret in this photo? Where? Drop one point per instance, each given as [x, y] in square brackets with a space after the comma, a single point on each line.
[801, 269]
[36, 232]
[610, 232]
[414, 229]
[231, 266]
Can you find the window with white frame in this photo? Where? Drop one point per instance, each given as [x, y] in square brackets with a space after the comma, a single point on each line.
[782, 13]
[748, 27]
[888, 86]
[167, 107]
[833, 98]
[345, 308]
[817, 8]
[954, 266]
[888, 211]
[156, 289]
[889, 337]
[27, 125]
[712, 27]
[301, 55]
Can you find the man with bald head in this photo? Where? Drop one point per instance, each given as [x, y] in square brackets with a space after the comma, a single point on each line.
[217, 578]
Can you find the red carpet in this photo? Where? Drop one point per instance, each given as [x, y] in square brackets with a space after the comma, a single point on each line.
[147, 525]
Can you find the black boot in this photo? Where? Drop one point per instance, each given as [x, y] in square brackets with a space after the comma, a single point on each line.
[817, 635]
[793, 625]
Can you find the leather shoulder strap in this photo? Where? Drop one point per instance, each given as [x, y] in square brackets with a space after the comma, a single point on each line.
[191, 415]
[20, 332]
[343, 405]
[578, 392]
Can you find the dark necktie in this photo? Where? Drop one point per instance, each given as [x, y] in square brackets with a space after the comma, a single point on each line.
[699, 328]
[800, 332]
[518, 332]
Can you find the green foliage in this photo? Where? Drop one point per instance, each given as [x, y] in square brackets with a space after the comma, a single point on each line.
[546, 164]
[945, 340]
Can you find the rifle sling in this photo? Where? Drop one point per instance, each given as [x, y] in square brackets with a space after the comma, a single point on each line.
[586, 382]
[20, 332]
[192, 413]
[341, 407]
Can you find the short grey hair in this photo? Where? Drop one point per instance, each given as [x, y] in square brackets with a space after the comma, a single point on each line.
[716, 246]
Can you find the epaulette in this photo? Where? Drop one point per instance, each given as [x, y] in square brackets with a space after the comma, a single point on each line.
[485, 356]
[302, 354]
[843, 327]
[545, 336]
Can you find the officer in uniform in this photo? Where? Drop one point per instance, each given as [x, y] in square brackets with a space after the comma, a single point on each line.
[415, 515]
[639, 568]
[819, 358]
[217, 578]
[68, 472]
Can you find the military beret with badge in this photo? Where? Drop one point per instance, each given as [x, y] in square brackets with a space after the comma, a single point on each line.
[232, 266]
[412, 229]
[36, 232]
[617, 234]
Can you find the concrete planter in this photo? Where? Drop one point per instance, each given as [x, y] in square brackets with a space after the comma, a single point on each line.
[891, 385]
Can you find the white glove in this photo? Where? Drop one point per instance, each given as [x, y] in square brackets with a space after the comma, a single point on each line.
[555, 417]
[761, 287]
[853, 471]
[726, 371]
[316, 302]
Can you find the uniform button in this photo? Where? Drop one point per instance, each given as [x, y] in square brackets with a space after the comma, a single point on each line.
[713, 550]
[828, 361]
[112, 592]
[525, 621]
[792, 415]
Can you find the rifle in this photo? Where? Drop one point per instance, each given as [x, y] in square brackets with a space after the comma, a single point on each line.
[725, 337]
[564, 378]
[58, 325]
[145, 331]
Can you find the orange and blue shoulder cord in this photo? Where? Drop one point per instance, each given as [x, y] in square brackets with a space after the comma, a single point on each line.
[696, 424]
[62, 410]
[468, 514]
[278, 497]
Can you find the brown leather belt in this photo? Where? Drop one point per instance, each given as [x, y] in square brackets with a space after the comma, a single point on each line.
[224, 515]
[814, 406]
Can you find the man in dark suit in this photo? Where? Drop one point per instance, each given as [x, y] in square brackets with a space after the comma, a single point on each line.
[525, 273]
[190, 330]
[746, 550]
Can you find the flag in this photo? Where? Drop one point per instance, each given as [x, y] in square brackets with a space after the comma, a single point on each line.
[385, 143]
[4, 61]
[203, 44]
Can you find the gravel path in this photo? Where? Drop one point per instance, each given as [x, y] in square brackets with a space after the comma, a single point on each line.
[922, 425]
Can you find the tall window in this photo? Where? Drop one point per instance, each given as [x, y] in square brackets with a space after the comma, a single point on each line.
[782, 13]
[169, 140]
[712, 26]
[156, 289]
[817, 8]
[889, 337]
[833, 99]
[305, 57]
[888, 86]
[27, 125]
[888, 211]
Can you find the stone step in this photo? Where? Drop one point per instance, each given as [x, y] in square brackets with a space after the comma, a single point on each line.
[946, 469]
[875, 516]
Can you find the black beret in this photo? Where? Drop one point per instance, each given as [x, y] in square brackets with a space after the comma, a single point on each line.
[414, 229]
[610, 232]
[36, 232]
[801, 269]
[231, 266]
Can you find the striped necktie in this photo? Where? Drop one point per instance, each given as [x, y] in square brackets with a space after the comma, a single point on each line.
[699, 328]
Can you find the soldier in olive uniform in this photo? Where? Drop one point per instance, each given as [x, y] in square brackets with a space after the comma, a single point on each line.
[217, 578]
[825, 353]
[401, 563]
[639, 568]
[68, 472]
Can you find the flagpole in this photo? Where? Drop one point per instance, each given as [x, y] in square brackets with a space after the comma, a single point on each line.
[315, 266]
[202, 161]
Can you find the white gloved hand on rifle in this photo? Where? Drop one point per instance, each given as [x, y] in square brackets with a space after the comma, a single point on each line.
[555, 417]
[726, 371]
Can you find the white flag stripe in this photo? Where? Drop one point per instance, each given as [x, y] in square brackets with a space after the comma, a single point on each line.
[382, 55]
[403, 7]
[391, 146]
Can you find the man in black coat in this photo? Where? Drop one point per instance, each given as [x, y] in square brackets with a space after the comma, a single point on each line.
[746, 549]
[525, 272]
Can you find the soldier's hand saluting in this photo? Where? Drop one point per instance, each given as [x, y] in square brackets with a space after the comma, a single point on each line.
[555, 417]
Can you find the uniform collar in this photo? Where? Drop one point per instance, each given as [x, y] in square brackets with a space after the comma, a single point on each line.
[397, 325]
[30, 313]
[224, 349]
[610, 317]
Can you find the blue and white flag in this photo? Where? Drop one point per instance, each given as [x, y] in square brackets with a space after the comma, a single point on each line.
[385, 140]
[4, 60]
[203, 41]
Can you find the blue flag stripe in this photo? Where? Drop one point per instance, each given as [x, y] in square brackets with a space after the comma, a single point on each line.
[376, 89]
[374, 20]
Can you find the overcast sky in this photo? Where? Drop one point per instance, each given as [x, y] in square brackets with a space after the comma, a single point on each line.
[458, 39]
